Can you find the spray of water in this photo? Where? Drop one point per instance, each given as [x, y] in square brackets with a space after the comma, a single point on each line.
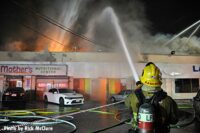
[109, 11]
[64, 13]
[69, 16]
[194, 24]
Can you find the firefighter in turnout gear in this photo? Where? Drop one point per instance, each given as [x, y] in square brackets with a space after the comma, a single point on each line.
[151, 101]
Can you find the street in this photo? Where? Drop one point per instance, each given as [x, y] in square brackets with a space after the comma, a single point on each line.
[89, 121]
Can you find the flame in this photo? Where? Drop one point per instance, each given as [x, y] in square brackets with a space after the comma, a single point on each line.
[62, 42]
[57, 41]
[16, 46]
[57, 44]
[54, 47]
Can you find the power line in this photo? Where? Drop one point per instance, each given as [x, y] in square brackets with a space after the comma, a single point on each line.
[45, 36]
[46, 18]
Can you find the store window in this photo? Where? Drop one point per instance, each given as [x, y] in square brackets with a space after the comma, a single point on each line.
[186, 85]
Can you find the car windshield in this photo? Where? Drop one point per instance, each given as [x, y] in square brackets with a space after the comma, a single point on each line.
[65, 91]
[16, 89]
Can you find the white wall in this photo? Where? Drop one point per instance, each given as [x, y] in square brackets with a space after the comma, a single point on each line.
[111, 65]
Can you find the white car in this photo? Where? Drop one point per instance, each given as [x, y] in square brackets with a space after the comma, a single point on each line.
[63, 97]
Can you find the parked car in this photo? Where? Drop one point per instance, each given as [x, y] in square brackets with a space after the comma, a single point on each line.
[13, 94]
[63, 97]
[196, 105]
[120, 96]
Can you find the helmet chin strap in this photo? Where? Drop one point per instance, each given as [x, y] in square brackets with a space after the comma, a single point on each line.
[150, 88]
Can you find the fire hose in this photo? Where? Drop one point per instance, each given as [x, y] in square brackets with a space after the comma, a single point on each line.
[7, 116]
[128, 121]
[10, 117]
[4, 118]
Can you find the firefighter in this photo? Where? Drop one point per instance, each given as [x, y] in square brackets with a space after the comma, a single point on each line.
[149, 87]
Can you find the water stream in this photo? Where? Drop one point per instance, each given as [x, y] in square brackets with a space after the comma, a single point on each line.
[114, 19]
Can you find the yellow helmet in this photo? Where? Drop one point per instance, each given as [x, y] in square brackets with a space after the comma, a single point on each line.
[151, 75]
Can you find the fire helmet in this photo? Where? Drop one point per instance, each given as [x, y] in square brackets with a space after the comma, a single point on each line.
[151, 75]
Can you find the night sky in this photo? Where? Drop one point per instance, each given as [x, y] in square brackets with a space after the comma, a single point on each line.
[154, 16]
[171, 16]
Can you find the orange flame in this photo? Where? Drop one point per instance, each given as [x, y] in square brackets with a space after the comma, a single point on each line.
[16, 46]
[57, 41]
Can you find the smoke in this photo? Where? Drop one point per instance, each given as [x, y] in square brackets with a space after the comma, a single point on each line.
[101, 29]
[65, 13]
[34, 32]
[84, 18]
[182, 45]
[186, 45]
[16, 46]
[137, 31]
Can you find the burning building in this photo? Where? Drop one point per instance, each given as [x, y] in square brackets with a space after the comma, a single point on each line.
[94, 74]
[80, 63]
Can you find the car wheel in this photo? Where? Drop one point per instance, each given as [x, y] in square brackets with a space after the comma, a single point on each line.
[61, 102]
[45, 99]
[112, 99]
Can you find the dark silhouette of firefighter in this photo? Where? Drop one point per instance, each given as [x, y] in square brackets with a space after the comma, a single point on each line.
[153, 110]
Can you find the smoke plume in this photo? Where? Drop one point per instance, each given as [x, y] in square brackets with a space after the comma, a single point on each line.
[25, 31]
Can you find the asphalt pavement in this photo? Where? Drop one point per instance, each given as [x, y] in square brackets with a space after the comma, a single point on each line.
[94, 120]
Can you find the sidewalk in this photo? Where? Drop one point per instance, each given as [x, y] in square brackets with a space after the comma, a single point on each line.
[184, 101]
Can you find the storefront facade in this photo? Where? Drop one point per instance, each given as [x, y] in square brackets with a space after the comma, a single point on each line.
[96, 75]
[37, 78]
